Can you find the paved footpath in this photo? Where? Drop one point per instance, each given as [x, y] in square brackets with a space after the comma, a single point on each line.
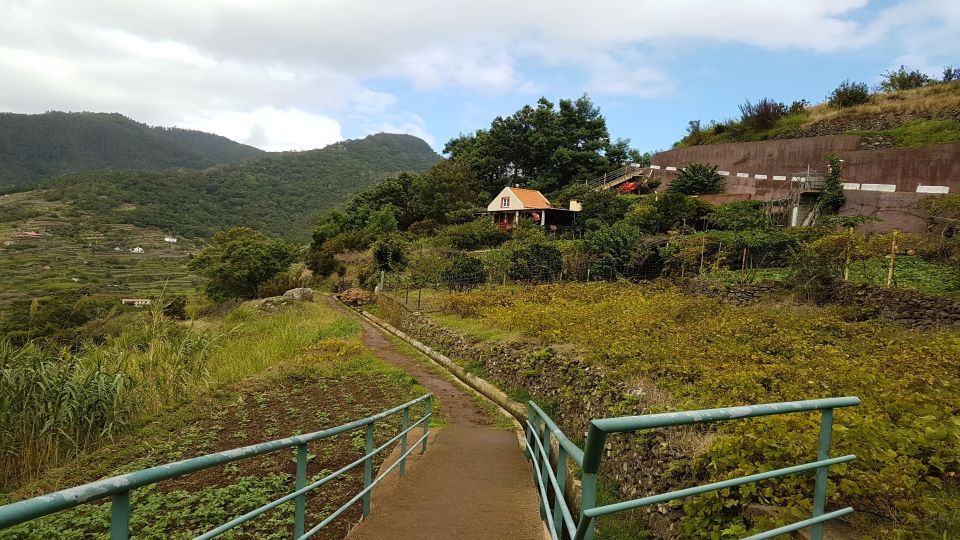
[473, 482]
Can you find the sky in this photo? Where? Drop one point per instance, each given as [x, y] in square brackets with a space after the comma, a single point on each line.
[301, 74]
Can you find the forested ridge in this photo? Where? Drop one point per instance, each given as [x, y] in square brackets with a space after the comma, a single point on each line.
[38, 146]
[279, 194]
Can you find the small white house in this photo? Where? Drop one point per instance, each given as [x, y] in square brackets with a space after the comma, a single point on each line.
[170, 239]
[513, 204]
[135, 302]
[137, 249]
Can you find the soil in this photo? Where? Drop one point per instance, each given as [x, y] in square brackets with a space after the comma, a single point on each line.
[473, 481]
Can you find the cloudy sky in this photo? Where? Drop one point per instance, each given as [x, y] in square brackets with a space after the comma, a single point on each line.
[298, 74]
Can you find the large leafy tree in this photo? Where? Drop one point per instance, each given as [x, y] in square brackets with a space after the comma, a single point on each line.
[237, 261]
[545, 146]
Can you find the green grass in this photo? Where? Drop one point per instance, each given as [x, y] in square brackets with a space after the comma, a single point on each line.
[929, 277]
[919, 132]
[331, 380]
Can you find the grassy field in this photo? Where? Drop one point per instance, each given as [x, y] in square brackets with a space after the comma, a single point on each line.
[682, 352]
[80, 250]
[937, 278]
[266, 376]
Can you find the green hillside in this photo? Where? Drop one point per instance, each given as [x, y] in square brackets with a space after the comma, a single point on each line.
[38, 146]
[280, 194]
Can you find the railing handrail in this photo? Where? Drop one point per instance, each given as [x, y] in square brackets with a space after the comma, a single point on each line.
[26, 510]
[540, 427]
[611, 175]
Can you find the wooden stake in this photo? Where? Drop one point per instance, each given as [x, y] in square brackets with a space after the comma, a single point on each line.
[893, 256]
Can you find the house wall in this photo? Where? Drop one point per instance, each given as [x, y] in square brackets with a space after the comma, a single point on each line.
[515, 203]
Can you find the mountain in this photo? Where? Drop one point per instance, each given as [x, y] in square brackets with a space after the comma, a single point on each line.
[38, 146]
[279, 194]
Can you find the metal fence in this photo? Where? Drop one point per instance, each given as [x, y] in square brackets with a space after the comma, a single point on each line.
[119, 488]
[550, 468]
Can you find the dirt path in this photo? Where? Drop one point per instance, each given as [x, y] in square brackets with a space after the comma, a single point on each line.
[473, 482]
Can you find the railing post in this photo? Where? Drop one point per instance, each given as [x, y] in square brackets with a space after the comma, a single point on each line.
[530, 417]
[120, 516]
[403, 441]
[301, 511]
[368, 470]
[544, 465]
[820, 489]
[592, 455]
[426, 424]
[561, 485]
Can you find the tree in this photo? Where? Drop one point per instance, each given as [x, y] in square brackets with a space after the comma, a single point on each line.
[546, 146]
[449, 191]
[697, 179]
[464, 273]
[389, 254]
[849, 94]
[903, 79]
[237, 261]
[832, 198]
[738, 216]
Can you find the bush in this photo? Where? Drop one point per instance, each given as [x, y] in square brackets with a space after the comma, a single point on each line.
[903, 79]
[477, 234]
[697, 179]
[849, 94]
[738, 216]
[176, 308]
[465, 273]
[832, 198]
[538, 262]
[389, 254]
[763, 115]
[279, 284]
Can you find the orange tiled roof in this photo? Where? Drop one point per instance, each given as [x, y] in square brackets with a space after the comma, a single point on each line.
[531, 198]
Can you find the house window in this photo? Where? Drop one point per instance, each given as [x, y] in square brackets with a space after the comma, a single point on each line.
[505, 202]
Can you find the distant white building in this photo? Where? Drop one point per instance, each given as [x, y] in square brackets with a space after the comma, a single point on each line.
[170, 239]
[137, 249]
[135, 302]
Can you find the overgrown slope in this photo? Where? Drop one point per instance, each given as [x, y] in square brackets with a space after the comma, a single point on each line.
[920, 116]
[279, 194]
[38, 146]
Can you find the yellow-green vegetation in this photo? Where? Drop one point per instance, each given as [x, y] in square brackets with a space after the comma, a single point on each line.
[703, 353]
[919, 132]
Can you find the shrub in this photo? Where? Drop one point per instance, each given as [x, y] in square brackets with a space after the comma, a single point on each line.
[763, 115]
[950, 73]
[465, 273]
[279, 284]
[538, 262]
[176, 308]
[849, 94]
[740, 215]
[480, 233]
[697, 179]
[903, 79]
[238, 261]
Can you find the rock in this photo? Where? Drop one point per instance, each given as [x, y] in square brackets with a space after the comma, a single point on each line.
[303, 294]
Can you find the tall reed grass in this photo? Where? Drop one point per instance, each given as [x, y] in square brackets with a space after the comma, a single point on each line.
[55, 403]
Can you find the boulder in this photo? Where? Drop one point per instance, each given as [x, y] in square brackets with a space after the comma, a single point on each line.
[303, 294]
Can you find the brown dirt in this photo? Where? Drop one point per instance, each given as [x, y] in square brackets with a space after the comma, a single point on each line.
[473, 482]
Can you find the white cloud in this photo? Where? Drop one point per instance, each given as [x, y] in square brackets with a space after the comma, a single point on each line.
[237, 64]
[270, 128]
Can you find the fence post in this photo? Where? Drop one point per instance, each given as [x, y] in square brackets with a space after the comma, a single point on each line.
[820, 490]
[368, 470]
[120, 516]
[403, 441]
[592, 455]
[301, 511]
[426, 424]
[561, 485]
[527, 432]
[382, 277]
[544, 465]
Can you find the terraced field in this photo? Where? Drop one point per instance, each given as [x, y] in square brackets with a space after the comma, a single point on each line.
[78, 249]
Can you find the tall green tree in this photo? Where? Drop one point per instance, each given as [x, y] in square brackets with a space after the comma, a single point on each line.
[239, 260]
[545, 146]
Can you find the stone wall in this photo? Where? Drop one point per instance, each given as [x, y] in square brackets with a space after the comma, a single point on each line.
[574, 391]
[909, 308]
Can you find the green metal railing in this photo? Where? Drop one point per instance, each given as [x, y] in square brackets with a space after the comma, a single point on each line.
[119, 488]
[550, 467]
